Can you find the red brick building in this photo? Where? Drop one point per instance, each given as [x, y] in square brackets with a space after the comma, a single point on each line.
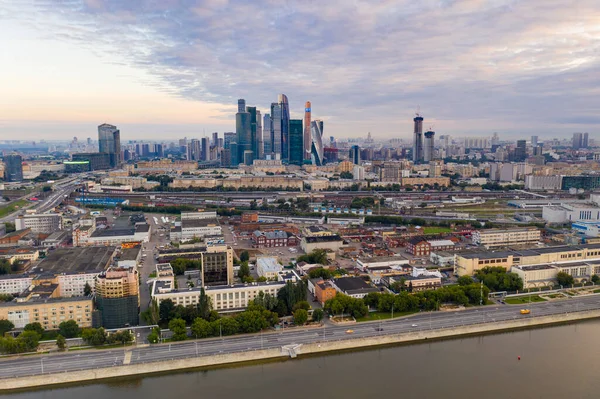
[418, 246]
[268, 239]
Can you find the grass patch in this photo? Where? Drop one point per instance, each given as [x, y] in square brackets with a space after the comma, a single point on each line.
[524, 299]
[12, 207]
[436, 230]
[384, 316]
[597, 291]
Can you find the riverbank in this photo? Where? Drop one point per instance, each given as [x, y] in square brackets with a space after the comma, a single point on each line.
[206, 362]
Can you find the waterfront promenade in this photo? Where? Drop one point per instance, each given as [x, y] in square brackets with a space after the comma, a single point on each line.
[30, 371]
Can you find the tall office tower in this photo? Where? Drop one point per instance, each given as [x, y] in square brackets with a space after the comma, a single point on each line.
[428, 151]
[296, 141]
[145, 150]
[89, 141]
[534, 141]
[307, 133]
[220, 142]
[215, 139]
[234, 154]
[13, 167]
[316, 133]
[259, 139]
[254, 119]
[243, 130]
[228, 137]
[280, 127]
[183, 142]
[585, 142]
[418, 139]
[205, 154]
[577, 141]
[355, 155]
[109, 142]
[538, 150]
[268, 149]
[520, 152]
[241, 105]
[194, 150]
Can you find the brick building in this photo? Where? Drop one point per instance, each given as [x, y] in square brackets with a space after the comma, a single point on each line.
[268, 239]
[418, 246]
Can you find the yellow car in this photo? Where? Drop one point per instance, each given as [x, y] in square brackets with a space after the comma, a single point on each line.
[525, 311]
[349, 331]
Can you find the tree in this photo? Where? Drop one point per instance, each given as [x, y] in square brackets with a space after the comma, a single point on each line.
[94, 336]
[37, 327]
[464, 280]
[245, 256]
[87, 290]
[564, 279]
[61, 342]
[177, 326]
[201, 328]
[300, 317]
[165, 310]
[68, 329]
[595, 279]
[251, 321]
[204, 305]
[301, 305]
[5, 326]
[154, 336]
[318, 315]
[29, 340]
[346, 175]
[244, 271]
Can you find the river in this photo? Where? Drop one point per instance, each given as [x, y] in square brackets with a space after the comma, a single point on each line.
[556, 362]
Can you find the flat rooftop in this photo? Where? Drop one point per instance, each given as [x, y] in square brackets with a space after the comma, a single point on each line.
[76, 260]
[192, 223]
[130, 253]
[331, 238]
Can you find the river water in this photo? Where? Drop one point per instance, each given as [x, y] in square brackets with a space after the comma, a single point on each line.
[556, 362]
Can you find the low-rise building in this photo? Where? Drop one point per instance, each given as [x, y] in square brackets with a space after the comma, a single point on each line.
[324, 291]
[196, 225]
[268, 267]
[225, 298]
[381, 261]
[496, 238]
[14, 284]
[571, 212]
[418, 246]
[269, 239]
[44, 223]
[355, 287]
[544, 275]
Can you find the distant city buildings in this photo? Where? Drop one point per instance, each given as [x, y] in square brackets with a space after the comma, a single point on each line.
[109, 142]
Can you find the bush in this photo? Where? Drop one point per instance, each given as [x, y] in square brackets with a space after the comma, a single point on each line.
[68, 329]
[300, 317]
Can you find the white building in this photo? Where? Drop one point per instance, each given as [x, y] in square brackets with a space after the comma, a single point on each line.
[493, 238]
[225, 298]
[14, 284]
[268, 267]
[381, 261]
[566, 213]
[358, 172]
[44, 223]
[196, 225]
[543, 182]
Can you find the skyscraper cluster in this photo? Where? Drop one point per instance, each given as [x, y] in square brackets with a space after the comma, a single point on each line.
[274, 136]
[580, 140]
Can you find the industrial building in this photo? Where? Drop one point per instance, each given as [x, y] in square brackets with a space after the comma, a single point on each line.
[496, 238]
[44, 223]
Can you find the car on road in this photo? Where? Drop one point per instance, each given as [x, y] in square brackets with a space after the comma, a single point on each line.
[415, 325]
[525, 311]
[349, 331]
[379, 329]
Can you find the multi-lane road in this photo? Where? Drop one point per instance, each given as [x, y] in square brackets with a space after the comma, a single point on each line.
[82, 360]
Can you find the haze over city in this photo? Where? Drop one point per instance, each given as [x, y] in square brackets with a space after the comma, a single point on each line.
[169, 69]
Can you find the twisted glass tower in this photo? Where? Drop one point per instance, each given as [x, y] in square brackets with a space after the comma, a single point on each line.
[316, 132]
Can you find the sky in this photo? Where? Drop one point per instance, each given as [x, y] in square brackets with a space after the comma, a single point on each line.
[165, 69]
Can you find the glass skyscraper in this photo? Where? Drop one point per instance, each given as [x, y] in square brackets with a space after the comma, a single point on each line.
[109, 142]
[13, 167]
[316, 131]
[280, 127]
[243, 129]
[267, 134]
[296, 140]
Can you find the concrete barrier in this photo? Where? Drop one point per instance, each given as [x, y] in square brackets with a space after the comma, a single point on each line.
[276, 353]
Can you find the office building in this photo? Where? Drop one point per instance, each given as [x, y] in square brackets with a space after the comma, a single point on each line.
[316, 131]
[243, 129]
[577, 141]
[267, 145]
[494, 238]
[355, 155]
[205, 154]
[307, 132]
[428, 147]
[45, 223]
[417, 154]
[117, 297]
[217, 265]
[584, 182]
[215, 139]
[241, 105]
[280, 127]
[585, 141]
[13, 168]
[109, 142]
[296, 142]
[228, 138]
[534, 141]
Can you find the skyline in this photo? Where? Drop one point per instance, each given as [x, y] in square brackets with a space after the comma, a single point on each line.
[182, 68]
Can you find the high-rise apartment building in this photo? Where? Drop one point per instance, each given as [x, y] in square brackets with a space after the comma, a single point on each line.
[585, 141]
[296, 141]
[13, 167]
[109, 142]
[577, 141]
[194, 150]
[428, 148]
[307, 133]
[316, 131]
[417, 154]
[355, 155]
[117, 297]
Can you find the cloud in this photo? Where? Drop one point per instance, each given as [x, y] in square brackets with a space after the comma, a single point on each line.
[475, 65]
